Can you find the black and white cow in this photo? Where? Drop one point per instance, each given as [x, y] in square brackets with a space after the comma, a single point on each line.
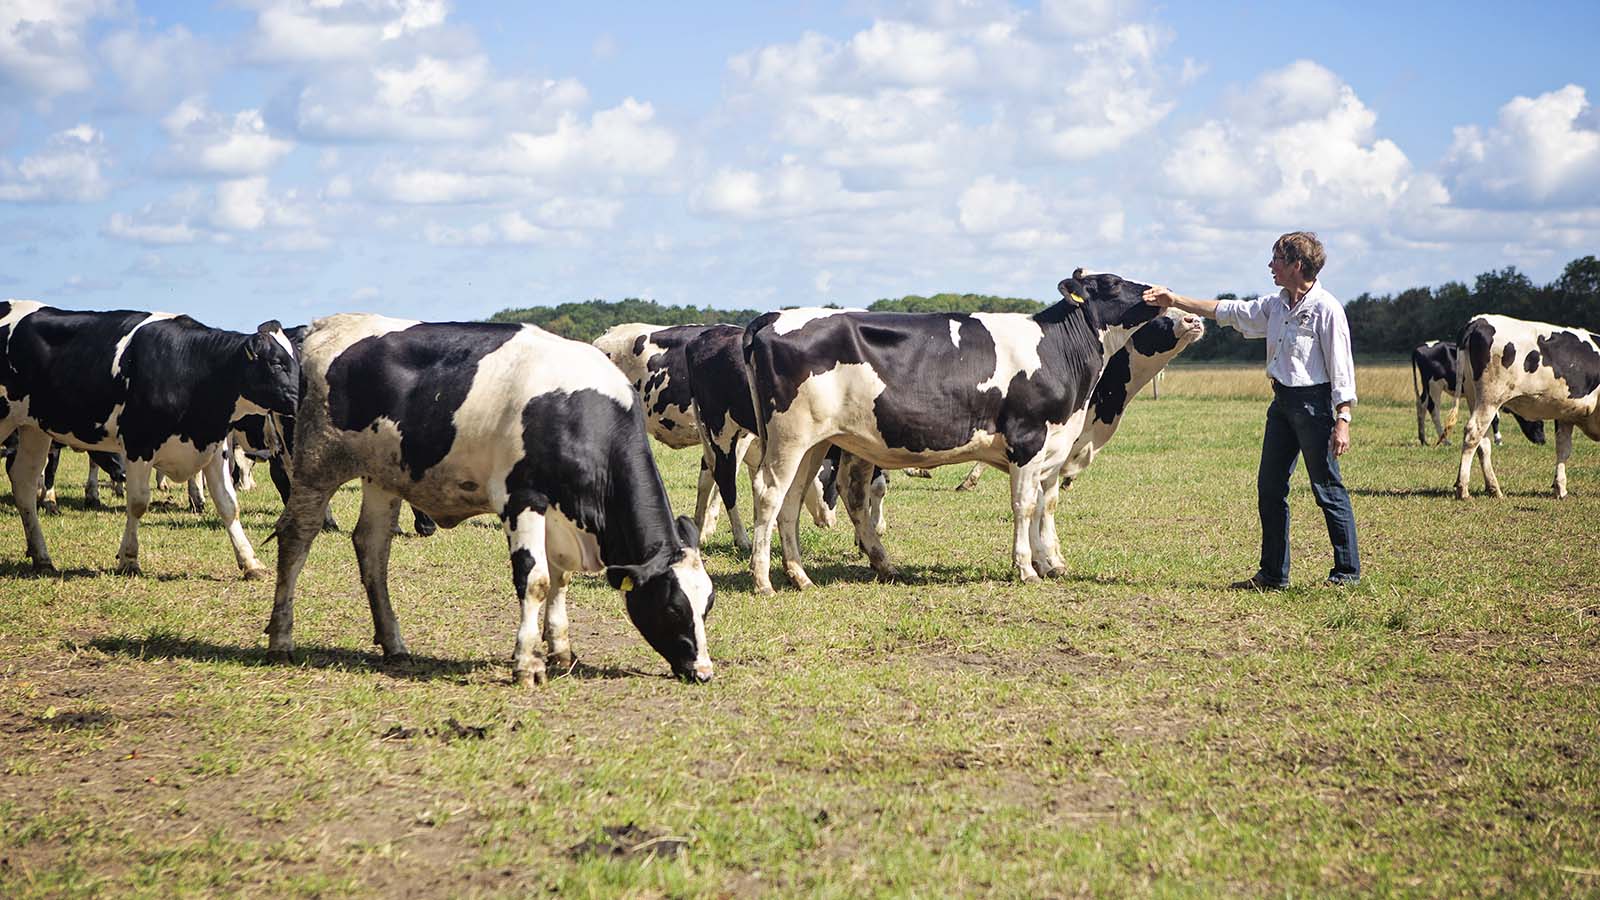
[469, 418]
[1433, 375]
[161, 389]
[907, 389]
[1155, 344]
[1537, 371]
[656, 360]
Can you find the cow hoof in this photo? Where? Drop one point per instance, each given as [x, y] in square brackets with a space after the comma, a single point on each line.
[562, 662]
[918, 473]
[1029, 576]
[1056, 572]
[765, 590]
[45, 569]
[257, 573]
[888, 574]
[93, 504]
[280, 656]
[129, 568]
[51, 509]
[426, 529]
[529, 677]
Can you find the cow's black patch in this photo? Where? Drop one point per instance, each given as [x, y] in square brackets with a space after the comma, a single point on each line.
[1508, 356]
[1530, 363]
[521, 566]
[417, 378]
[1477, 342]
[1573, 361]
[1110, 398]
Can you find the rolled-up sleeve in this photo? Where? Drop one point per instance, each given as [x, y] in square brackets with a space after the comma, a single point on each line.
[1334, 336]
[1249, 317]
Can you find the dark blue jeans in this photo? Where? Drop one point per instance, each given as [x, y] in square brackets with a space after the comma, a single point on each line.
[1300, 423]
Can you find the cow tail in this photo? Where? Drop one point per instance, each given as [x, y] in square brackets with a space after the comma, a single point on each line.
[1455, 405]
[1416, 378]
[747, 350]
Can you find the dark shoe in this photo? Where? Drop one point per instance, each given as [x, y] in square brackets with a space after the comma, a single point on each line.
[1342, 581]
[1256, 583]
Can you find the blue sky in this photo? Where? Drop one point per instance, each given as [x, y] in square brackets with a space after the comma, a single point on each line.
[292, 158]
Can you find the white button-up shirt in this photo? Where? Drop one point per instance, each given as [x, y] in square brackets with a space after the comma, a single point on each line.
[1307, 343]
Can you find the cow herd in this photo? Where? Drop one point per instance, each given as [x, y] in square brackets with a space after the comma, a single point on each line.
[549, 435]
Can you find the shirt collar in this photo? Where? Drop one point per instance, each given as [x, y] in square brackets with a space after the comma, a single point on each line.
[1305, 302]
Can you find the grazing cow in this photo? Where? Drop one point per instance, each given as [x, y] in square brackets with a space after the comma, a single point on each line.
[469, 418]
[1433, 375]
[658, 362]
[908, 389]
[110, 463]
[161, 389]
[1141, 362]
[1537, 371]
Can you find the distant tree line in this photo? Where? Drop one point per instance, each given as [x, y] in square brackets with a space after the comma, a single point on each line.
[1389, 324]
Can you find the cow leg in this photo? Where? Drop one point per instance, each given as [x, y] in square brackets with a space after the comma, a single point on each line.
[558, 652]
[530, 576]
[1563, 450]
[1047, 555]
[821, 512]
[971, 481]
[243, 469]
[297, 527]
[227, 504]
[771, 482]
[705, 506]
[197, 503]
[1024, 508]
[855, 486]
[1475, 438]
[91, 488]
[47, 489]
[372, 537]
[1494, 427]
[1424, 406]
[27, 469]
[138, 505]
[789, 515]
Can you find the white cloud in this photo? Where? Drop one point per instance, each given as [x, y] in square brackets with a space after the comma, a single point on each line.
[902, 53]
[67, 170]
[580, 212]
[156, 68]
[1080, 18]
[431, 99]
[1100, 108]
[424, 186]
[508, 228]
[41, 44]
[208, 143]
[1543, 151]
[1297, 146]
[328, 31]
[622, 140]
[124, 227]
[990, 205]
[791, 190]
[241, 204]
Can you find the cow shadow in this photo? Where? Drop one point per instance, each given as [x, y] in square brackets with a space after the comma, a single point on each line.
[413, 668]
[22, 568]
[824, 574]
[1449, 493]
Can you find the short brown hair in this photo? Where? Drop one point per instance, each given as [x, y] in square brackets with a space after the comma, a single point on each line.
[1302, 247]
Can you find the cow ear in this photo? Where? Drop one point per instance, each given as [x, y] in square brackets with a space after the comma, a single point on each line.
[625, 578]
[1072, 289]
[268, 327]
[688, 533]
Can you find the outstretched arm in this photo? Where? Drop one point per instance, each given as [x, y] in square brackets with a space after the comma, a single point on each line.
[1165, 297]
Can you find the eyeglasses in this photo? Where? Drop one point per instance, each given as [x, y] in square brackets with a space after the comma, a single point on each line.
[1279, 257]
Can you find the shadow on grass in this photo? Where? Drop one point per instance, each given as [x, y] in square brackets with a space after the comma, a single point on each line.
[1449, 493]
[24, 569]
[857, 573]
[169, 646]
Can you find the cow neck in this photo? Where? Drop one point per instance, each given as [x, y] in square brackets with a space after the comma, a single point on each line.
[213, 366]
[638, 527]
[1074, 324]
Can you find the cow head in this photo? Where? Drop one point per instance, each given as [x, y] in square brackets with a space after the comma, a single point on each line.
[271, 371]
[1111, 306]
[669, 605]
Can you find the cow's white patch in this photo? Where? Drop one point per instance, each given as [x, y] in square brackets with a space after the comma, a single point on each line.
[617, 344]
[796, 319]
[19, 310]
[1016, 346]
[283, 341]
[955, 332]
[180, 459]
[696, 585]
[122, 345]
[570, 548]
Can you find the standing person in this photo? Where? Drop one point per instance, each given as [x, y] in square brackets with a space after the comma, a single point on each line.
[1313, 388]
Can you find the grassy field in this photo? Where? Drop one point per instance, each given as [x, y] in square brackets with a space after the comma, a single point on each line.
[1133, 728]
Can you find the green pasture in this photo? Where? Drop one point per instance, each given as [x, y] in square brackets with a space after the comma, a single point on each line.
[1132, 729]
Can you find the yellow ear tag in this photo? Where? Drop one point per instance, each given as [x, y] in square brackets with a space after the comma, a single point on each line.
[1076, 298]
[627, 584]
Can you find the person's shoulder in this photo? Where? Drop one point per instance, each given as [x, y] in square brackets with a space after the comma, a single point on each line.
[1324, 298]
